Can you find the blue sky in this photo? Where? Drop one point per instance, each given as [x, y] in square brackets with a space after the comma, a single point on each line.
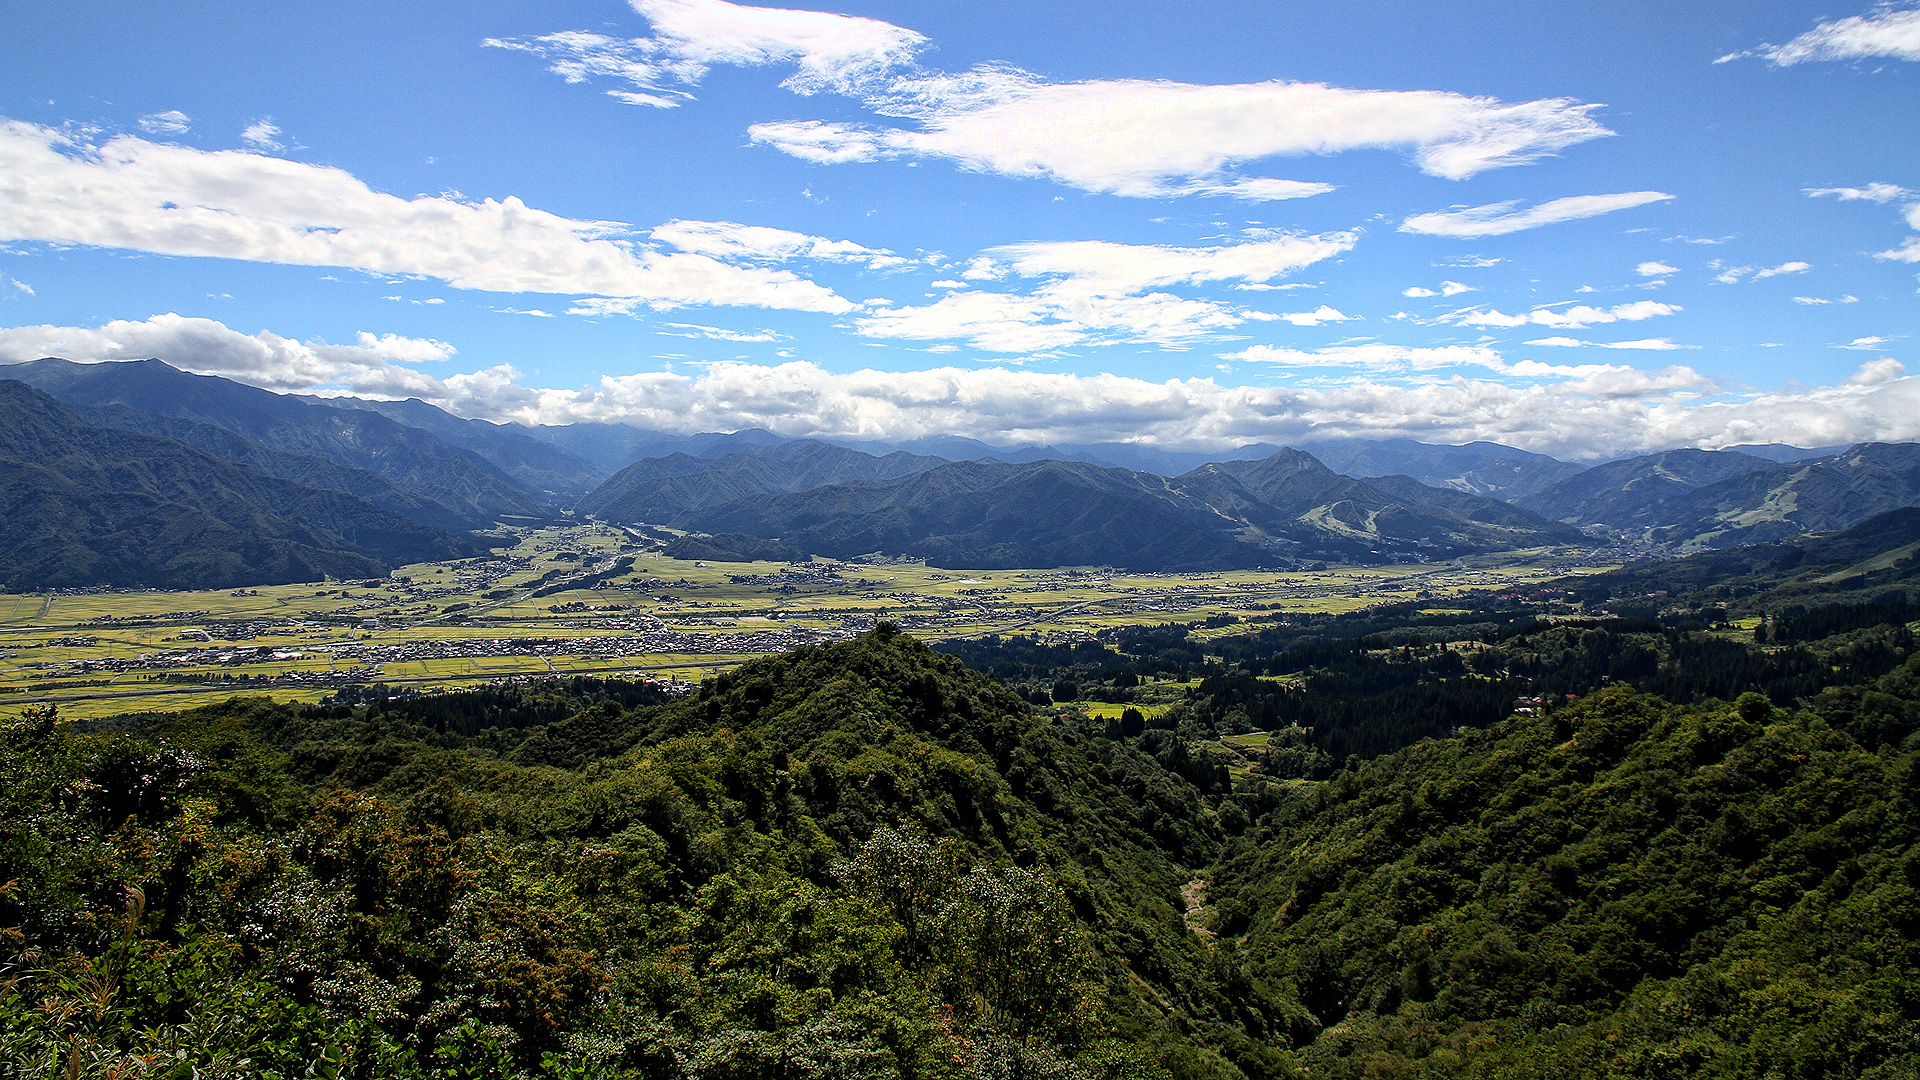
[1583, 229]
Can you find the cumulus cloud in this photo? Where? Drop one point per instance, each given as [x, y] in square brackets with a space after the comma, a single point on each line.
[155, 197]
[208, 347]
[1865, 344]
[1417, 292]
[1585, 411]
[1498, 219]
[1098, 292]
[1846, 299]
[1572, 318]
[171, 122]
[1655, 269]
[1887, 32]
[1122, 136]
[1874, 372]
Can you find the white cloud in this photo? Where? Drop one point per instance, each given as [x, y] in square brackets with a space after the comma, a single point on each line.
[17, 284]
[1874, 372]
[1887, 32]
[1123, 136]
[1908, 250]
[1097, 292]
[1865, 344]
[839, 53]
[129, 193]
[717, 333]
[262, 135]
[1447, 288]
[1732, 275]
[1572, 318]
[1587, 411]
[1106, 268]
[1157, 138]
[171, 122]
[1323, 314]
[1649, 344]
[1847, 299]
[1558, 342]
[1376, 357]
[404, 349]
[730, 240]
[1655, 269]
[1498, 219]
[208, 347]
[1874, 192]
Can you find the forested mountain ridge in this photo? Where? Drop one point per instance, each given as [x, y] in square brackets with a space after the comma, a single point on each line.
[87, 506]
[304, 469]
[975, 514]
[978, 514]
[1621, 493]
[534, 463]
[1692, 499]
[665, 490]
[412, 459]
[1477, 468]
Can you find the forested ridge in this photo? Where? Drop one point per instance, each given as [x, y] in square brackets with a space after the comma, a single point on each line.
[866, 859]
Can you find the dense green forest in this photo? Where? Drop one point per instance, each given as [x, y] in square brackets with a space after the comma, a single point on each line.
[1594, 831]
[866, 859]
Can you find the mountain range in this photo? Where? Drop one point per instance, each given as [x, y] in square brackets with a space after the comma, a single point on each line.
[87, 505]
[1702, 498]
[979, 515]
[955, 500]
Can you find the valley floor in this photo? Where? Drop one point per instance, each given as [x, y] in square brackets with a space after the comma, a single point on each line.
[562, 601]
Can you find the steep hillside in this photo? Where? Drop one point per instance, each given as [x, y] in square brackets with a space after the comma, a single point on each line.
[1620, 888]
[415, 461]
[1298, 499]
[1623, 494]
[985, 515]
[304, 469]
[863, 857]
[86, 506]
[1479, 468]
[1806, 496]
[665, 490]
[533, 463]
[1720, 498]
[981, 514]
